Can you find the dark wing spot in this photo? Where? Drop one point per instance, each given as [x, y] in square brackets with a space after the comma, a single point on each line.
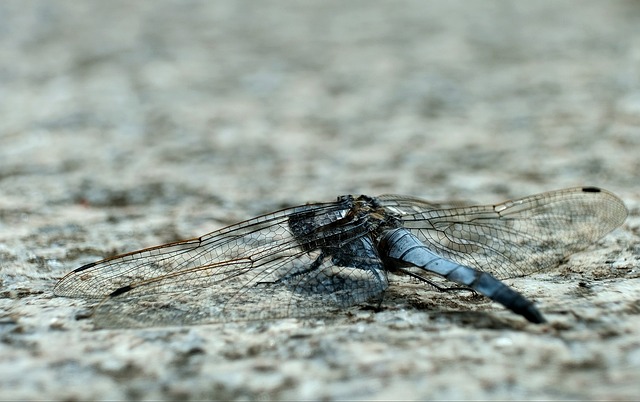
[121, 290]
[82, 268]
[591, 189]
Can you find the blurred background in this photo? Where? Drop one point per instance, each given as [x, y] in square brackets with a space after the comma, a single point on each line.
[126, 124]
[134, 102]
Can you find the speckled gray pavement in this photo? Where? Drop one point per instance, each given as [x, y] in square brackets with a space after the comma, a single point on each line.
[131, 124]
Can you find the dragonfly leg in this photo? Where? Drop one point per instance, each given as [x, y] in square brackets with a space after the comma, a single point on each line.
[312, 267]
[434, 284]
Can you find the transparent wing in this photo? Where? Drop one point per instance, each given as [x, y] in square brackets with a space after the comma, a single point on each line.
[516, 237]
[270, 266]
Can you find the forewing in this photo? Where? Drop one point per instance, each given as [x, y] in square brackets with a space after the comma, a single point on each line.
[516, 237]
[235, 273]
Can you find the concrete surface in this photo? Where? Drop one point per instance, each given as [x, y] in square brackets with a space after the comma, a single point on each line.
[130, 124]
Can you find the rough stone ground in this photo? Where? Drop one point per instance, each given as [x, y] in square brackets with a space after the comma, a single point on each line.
[130, 124]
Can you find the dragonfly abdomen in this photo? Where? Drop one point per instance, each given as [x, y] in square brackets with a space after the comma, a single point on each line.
[400, 245]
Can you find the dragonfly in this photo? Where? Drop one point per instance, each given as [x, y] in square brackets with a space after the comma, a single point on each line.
[320, 258]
